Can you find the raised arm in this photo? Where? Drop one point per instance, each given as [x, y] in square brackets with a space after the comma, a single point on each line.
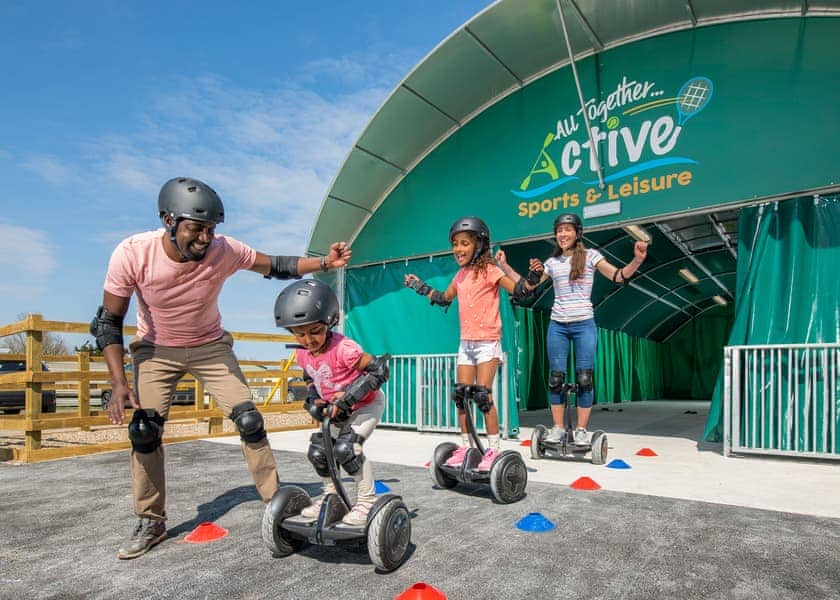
[290, 267]
[623, 275]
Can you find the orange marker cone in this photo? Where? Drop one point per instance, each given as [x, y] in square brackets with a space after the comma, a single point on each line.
[646, 452]
[206, 532]
[585, 483]
[421, 591]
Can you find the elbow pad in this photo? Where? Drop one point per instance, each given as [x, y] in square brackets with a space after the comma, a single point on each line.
[375, 375]
[283, 267]
[106, 328]
[439, 298]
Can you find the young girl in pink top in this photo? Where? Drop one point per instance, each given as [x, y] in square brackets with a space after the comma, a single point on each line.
[343, 382]
[476, 285]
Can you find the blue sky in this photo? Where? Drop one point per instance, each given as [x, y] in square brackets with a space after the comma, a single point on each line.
[103, 101]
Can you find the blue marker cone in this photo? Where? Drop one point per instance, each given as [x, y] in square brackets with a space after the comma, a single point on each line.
[618, 464]
[535, 522]
[380, 488]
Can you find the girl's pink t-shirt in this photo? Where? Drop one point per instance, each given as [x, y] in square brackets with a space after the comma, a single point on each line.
[333, 370]
[177, 303]
[478, 303]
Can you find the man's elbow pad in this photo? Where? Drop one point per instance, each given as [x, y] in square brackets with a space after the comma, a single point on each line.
[283, 267]
[106, 328]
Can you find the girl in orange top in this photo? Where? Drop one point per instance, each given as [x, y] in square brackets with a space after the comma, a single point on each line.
[476, 285]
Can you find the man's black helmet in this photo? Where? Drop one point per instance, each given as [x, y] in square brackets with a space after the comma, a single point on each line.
[475, 226]
[304, 302]
[186, 198]
[572, 219]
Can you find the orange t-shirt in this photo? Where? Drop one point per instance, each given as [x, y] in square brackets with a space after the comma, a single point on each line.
[478, 303]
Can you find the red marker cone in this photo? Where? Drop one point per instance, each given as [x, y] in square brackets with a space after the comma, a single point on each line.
[525, 443]
[421, 591]
[206, 532]
[585, 483]
[646, 452]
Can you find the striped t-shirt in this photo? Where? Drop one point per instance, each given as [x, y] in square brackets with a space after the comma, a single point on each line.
[572, 300]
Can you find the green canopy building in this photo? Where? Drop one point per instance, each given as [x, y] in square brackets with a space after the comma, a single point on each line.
[709, 124]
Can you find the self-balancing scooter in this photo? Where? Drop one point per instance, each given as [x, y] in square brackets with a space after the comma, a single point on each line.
[387, 532]
[507, 477]
[565, 446]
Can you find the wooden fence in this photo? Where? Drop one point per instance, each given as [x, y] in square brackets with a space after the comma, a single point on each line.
[90, 375]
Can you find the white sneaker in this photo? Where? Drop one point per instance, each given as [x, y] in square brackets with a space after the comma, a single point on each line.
[554, 436]
[581, 437]
[357, 515]
[313, 510]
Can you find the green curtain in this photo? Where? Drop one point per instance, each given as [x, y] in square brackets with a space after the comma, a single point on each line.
[788, 290]
[692, 356]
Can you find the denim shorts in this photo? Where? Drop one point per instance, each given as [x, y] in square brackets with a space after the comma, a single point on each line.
[475, 352]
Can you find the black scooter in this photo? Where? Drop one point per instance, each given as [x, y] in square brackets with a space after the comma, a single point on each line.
[565, 447]
[387, 532]
[507, 477]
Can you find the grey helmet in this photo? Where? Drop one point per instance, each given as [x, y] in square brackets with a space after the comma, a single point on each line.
[186, 198]
[304, 302]
[571, 219]
[476, 226]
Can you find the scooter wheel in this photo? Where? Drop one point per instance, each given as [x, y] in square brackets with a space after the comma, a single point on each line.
[508, 477]
[389, 536]
[599, 448]
[441, 454]
[537, 436]
[288, 501]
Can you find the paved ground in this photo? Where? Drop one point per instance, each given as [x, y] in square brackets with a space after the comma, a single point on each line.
[61, 522]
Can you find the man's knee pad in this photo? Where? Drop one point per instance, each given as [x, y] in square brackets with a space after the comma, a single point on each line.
[459, 395]
[317, 456]
[481, 397]
[557, 382]
[248, 421]
[145, 431]
[585, 380]
[346, 454]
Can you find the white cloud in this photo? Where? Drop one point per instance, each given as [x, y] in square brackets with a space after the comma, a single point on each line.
[51, 169]
[26, 261]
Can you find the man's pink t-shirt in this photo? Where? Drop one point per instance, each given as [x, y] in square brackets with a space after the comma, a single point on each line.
[177, 302]
[478, 303]
[333, 370]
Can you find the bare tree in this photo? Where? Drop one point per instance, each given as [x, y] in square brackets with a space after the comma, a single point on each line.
[52, 343]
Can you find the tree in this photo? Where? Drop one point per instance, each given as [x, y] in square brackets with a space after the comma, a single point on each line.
[88, 347]
[53, 343]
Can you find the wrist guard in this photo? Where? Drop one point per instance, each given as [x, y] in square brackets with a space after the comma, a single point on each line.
[420, 286]
[283, 267]
[106, 328]
[533, 277]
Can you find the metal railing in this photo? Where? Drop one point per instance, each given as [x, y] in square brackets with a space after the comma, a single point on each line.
[782, 399]
[419, 395]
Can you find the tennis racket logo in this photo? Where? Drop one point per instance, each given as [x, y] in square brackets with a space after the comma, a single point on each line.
[693, 97]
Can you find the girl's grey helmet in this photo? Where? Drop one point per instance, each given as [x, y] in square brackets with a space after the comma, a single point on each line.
[304, 302]
[475, 226]
[186, 198]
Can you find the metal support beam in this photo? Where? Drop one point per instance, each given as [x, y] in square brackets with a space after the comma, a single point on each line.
[666, 231]
[430, 103]
[727, 241]
[493, 55]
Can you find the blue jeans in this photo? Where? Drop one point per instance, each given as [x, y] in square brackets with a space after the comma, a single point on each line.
[584, 335]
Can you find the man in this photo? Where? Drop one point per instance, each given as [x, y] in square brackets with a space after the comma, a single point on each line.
[177, 274]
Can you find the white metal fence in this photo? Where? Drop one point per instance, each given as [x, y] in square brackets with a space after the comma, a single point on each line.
[782, 400]
[419, 394]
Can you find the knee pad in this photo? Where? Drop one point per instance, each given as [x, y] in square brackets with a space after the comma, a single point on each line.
[459, 395]
[345, 452]
[248, 421]
[585, 380]
[145, 432]
[557, 382]
[317, 456]
[481, 397]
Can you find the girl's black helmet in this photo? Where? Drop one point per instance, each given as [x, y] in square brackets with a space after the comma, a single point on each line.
[304, 302]
[186, 198]
[571, 219]
[478, 228]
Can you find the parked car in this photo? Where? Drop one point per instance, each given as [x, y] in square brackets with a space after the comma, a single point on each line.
[13, 401]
